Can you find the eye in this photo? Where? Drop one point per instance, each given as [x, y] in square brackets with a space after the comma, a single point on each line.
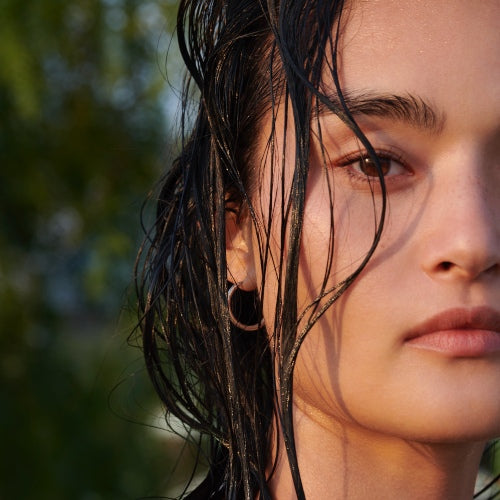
[366, 166]
[362, 169]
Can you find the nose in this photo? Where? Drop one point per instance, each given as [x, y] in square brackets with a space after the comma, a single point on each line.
[462, 226]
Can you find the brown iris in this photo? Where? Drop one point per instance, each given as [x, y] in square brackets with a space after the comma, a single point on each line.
[368, 167]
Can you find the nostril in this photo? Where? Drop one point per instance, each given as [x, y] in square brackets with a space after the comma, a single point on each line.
[445, 266]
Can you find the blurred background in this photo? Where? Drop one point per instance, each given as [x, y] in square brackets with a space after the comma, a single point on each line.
[86, 104]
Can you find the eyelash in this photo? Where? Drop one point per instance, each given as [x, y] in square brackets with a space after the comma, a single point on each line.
[382, 154]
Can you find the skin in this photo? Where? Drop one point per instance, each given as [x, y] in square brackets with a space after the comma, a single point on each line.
[375, 415]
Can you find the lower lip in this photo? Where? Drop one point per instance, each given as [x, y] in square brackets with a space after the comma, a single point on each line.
[459, 343]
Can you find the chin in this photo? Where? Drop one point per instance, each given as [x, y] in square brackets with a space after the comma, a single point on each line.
[461, 427]
[433, 420]
[467, 432]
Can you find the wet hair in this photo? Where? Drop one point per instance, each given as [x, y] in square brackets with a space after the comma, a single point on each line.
[244, 59]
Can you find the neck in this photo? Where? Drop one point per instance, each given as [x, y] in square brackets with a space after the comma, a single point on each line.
[345, 461]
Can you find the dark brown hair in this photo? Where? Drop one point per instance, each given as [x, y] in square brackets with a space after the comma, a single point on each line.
[243, 56]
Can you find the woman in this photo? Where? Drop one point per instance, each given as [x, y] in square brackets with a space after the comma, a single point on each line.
[321, 293]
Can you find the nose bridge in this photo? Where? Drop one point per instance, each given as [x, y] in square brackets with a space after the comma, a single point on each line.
[463, 218]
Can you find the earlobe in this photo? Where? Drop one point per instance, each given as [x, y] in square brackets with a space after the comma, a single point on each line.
[239, 252]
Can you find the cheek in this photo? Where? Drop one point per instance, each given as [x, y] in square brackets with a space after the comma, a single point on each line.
[334, 354]
[341, 368]
[343, 347]
[334, 241]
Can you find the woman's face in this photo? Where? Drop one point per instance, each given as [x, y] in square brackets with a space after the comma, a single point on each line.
[412, 349]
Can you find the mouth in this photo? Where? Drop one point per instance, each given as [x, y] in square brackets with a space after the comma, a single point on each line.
[459, 332]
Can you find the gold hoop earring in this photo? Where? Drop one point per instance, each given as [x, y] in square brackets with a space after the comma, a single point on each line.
[234, 321]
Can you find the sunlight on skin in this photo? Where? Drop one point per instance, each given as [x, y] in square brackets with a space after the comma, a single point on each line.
[378, 416]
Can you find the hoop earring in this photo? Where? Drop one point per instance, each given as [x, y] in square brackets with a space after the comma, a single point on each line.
[234, 321]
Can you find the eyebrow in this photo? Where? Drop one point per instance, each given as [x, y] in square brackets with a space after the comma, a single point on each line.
[408, 108]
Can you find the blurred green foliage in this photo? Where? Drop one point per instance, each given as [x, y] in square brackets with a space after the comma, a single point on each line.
[84, 107]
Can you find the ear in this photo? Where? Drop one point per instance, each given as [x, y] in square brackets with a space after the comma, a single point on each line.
[239, 251]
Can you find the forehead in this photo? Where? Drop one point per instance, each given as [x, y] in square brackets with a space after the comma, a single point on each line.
[439, 48]
[438, 25]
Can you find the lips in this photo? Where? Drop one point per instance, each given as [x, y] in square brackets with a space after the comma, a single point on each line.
[459, 332]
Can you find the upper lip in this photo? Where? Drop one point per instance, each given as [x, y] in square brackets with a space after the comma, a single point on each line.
[477, 318]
